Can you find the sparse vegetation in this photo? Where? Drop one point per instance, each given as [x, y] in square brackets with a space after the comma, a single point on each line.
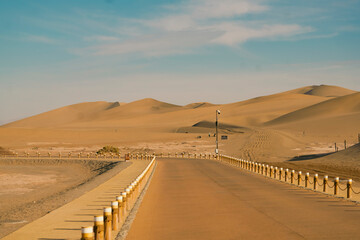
[108, 149]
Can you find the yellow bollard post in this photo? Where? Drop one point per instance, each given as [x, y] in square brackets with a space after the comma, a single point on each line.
[299, 178]
[123, 194]
[121, 209]
[99, 227]
[336, 185]
[286, 174]
[271, 171]
[175, 155]
[292, 176]
[325, 182]
[128, 198]
[348, 188]
[115, 215]
[266, 170]
[280, 173]
[307, 175]
[107, 223]
[87, 233]
[275, 171]
[315, 180]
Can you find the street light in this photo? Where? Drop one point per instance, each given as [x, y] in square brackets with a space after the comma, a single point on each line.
[217, 137]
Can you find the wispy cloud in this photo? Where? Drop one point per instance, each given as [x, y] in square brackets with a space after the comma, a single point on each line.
[195, 23]
[40, 39]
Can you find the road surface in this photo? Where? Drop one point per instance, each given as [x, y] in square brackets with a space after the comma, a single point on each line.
[205, 199]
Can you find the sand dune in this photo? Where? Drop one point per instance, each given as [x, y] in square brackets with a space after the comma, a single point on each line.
[141, 107]
[199, 105]
[209, 127]
[349, 157]
[104, 114]
[290, 114]
[64, 115]
[323, 91]
[334, 107]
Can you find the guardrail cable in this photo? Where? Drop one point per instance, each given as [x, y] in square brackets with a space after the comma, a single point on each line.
[342, 189]
[354, 191]
[311, 182]
[329, 185]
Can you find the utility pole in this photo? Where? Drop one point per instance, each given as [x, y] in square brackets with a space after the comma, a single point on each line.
[217, 134]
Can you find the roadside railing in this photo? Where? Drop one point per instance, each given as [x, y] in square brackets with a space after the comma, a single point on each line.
[114, 215]
[340, 188]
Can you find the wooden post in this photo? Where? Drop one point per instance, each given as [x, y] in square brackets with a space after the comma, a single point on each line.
[336, 185]
[121, 208]
[266, 170]
[99, 227]
[128, 198]
[335, 147]
[348, 188]
[125, 203]
[107, 223]
[315, 180]
[275, 171]
[87, 233]
[325, 182]
[115, 215]
[344, 144]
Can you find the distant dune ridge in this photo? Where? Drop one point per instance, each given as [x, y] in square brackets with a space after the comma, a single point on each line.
[334, 107]
[305, 103]
[323, 91]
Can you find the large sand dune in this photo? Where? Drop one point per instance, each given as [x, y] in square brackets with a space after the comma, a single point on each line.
[344, 105]
[323, 91]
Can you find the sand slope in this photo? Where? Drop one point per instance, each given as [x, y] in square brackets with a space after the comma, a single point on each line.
[100, 114]
[334, 107]
[323, 91]
[67, 114]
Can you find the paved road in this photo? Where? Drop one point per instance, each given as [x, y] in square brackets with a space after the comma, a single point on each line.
[204, 199]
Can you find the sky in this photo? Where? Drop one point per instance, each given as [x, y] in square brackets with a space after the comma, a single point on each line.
[56, 53]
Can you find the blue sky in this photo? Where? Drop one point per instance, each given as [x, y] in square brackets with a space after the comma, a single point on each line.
[55, 53]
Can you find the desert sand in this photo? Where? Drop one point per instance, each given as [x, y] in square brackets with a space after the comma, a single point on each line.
[297, 128]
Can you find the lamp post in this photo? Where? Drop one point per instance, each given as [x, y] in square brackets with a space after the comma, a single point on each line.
[217, 135]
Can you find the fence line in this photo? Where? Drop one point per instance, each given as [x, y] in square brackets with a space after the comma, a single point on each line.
[114, 216]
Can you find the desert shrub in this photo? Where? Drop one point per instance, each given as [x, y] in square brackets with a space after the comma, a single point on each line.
[108, 149]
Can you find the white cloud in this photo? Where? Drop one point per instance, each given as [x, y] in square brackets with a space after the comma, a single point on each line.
[157, 45]
[235, 34]
[225, 8]
[195, 23]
